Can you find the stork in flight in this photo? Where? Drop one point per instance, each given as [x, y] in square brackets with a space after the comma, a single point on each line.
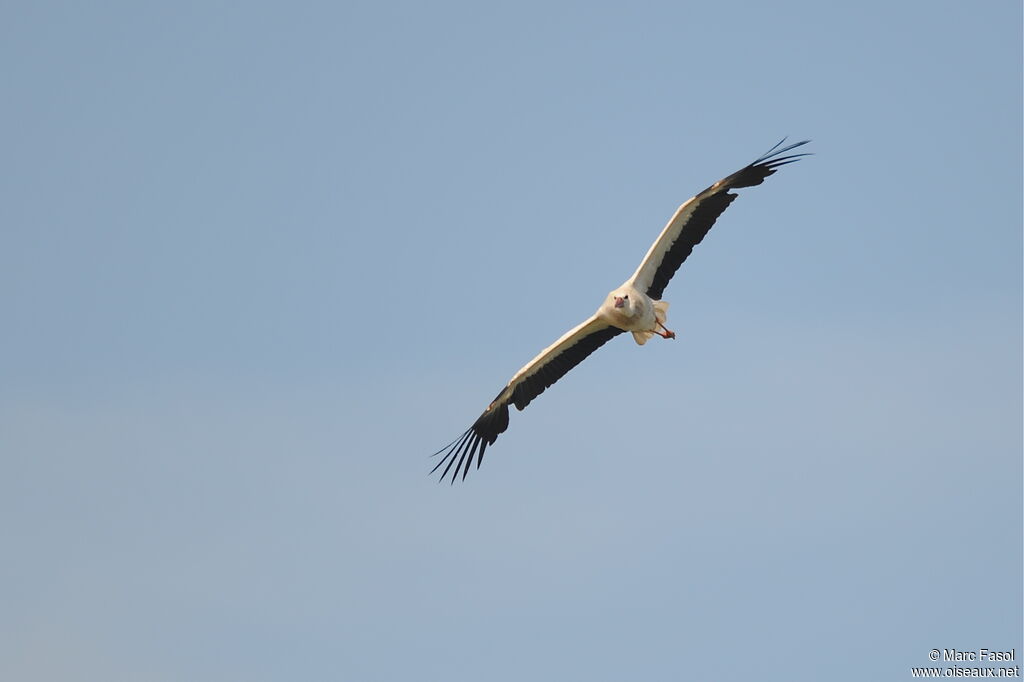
[635, 307]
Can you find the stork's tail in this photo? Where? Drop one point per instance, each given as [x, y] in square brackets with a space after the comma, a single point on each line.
[642, 337]
[660, 315]
[661, 311]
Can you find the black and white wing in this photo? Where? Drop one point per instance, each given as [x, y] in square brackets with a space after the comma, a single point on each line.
[695, 217]
[550, 365]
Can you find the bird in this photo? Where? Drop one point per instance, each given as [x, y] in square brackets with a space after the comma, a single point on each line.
[634, 307]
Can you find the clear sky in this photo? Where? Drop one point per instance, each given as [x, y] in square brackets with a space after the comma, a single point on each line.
[259, 260]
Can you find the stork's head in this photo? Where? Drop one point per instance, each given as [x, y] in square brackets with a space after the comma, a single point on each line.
[621, 303]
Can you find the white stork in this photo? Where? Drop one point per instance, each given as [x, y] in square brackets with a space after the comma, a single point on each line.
[633, 307]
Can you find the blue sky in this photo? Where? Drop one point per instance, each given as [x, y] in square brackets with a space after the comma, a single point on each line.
[258, 261]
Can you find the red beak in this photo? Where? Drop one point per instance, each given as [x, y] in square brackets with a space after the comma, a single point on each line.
[619, 301]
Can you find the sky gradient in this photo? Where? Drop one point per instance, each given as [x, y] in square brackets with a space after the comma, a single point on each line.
[258, 261]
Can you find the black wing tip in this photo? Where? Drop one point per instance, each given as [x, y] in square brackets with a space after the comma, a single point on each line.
[776, 151]
[774, 158]
[755, 173]
[460, 453]
[455, 455]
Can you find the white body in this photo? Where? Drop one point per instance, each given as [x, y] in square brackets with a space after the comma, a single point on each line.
[636, 313]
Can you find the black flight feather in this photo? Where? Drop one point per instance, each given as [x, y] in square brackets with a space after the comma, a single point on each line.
[494, 421]
[709, 205]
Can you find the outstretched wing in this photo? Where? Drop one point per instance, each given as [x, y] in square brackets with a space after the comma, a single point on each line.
[548, 367]
[695, 217]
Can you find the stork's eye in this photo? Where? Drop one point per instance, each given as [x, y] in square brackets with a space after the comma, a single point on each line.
[626, 297]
